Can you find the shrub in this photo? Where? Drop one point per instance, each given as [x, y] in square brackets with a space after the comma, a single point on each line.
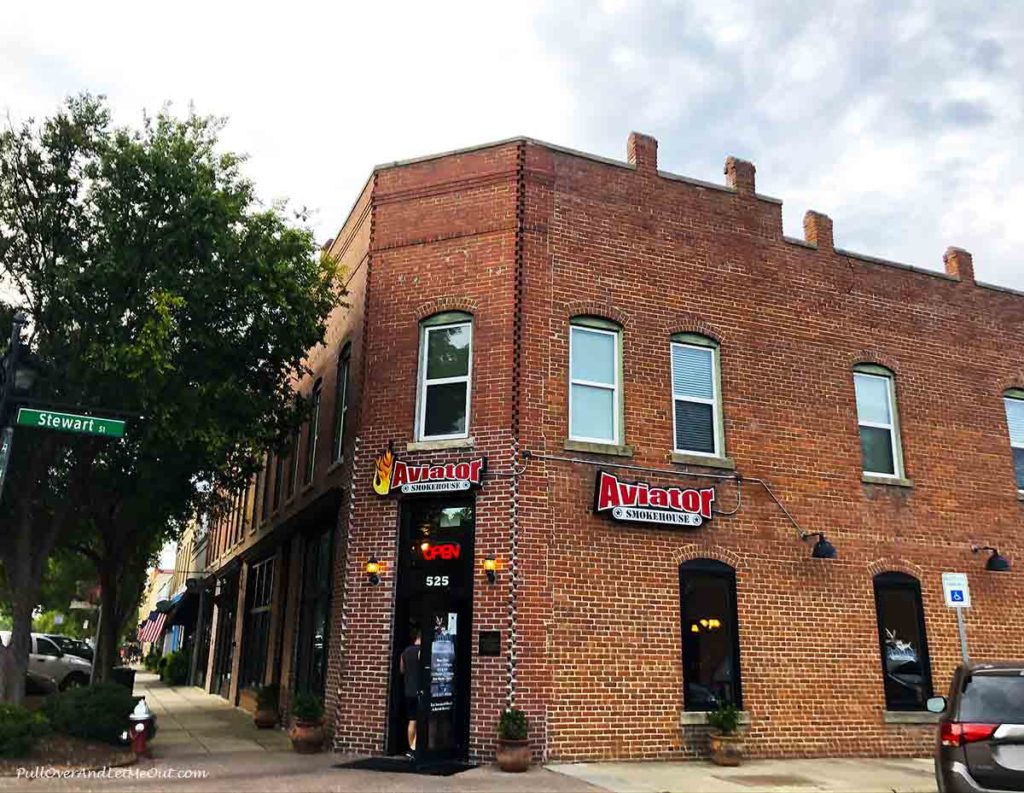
[307, 707]
[151, 661]
[97, 712]
[174, 671]
[725, 718]
[19, 730]
[513, 725]
[267, 696]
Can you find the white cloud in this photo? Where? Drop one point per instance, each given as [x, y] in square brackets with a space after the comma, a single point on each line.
[901, 121]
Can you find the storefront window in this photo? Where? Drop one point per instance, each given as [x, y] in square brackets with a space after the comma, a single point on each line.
[711, 655]
[445, 365]
[259, 594]
[906, 671]
[311, 645]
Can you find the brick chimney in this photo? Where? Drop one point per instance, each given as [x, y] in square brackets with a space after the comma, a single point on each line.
[818, 230]
[959, 264]
[642, 152]
[739, 175]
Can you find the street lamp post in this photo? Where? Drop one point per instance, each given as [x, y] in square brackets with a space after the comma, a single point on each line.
[18, 376]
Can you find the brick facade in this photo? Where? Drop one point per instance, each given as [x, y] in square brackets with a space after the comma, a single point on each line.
[525, 236]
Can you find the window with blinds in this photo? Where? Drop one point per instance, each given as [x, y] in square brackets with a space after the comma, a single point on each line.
[695, 399]
[1015, 423]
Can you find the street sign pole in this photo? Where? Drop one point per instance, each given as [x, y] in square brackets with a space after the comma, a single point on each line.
[963, 635]
[6, 445]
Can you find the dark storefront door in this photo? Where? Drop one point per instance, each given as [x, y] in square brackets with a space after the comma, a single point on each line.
[227, 604]
[435, 596]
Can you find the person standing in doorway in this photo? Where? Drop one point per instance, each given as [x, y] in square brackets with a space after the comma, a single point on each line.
[409, 664]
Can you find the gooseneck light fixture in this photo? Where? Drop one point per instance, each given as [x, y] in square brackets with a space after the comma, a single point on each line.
[997, 563]
[373, 570]
[822, 549]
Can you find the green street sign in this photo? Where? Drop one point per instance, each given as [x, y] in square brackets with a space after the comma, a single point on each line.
[70, 422]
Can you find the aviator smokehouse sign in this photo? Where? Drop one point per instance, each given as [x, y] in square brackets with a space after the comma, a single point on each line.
[391, 474]
[638, 502]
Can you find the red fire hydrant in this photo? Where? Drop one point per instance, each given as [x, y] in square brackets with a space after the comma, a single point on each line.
[141, 723]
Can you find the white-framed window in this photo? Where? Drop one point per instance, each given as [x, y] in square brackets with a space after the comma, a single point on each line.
[1014, 402]
[877, 422]
[696, 397]
[595, 396]
[446, 366]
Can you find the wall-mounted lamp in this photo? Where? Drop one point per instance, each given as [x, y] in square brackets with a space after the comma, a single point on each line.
[997, 563]
[491, 568]
[373, 570]
[822, 549]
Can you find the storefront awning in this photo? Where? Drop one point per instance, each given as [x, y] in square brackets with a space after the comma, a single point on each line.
[184, 610]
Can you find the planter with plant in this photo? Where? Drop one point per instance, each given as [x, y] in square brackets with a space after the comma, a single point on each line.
[513, 746]
[307, 732]
[726, 743]
[265, 715]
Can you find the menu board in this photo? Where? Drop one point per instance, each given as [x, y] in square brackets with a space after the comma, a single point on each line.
[442, 667]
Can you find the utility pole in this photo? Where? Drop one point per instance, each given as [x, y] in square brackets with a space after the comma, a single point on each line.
[10, 372]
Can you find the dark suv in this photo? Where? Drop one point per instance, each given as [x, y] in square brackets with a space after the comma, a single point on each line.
[981, 734]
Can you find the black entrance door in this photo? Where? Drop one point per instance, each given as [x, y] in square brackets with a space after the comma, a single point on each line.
[227, 602]
[435, 597]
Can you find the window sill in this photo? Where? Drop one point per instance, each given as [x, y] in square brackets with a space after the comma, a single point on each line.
[683, 458]
[591, 447]
[433, 446]
[891, 481]
[690, 718]
[910, 717]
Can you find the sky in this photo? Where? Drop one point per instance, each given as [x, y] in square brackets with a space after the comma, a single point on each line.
[902, 121]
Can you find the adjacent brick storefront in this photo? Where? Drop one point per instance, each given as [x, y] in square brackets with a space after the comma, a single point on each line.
[522, 240]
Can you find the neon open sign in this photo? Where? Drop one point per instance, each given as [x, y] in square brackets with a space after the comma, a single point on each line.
[448, 551]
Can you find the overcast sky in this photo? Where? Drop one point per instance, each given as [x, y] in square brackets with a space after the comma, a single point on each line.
[903, 121]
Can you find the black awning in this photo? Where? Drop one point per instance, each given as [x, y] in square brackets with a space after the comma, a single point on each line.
[186, 608]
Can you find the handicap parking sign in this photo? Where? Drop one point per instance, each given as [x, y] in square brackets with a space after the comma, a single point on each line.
[954, 587]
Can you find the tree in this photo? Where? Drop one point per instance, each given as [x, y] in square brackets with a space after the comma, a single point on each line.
[158, 286]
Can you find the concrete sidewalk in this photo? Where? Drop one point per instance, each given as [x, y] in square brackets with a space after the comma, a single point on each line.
[842, 775]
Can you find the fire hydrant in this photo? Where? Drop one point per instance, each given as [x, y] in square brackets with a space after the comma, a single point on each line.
[141, 726]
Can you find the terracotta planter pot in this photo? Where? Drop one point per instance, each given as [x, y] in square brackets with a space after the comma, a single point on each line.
[726, 749]
[265, 718]
[513, 756]
[307, 736]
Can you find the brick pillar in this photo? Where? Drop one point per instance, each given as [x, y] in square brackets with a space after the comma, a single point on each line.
[818, 230]
[642, 152]
[739, 175]
[959, 264]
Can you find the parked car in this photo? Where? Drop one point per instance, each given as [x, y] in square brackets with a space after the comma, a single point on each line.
[980, 744]
[46, 658]
[38, 684]
[71, 646]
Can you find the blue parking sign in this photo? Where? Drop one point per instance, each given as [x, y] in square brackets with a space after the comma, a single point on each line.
[956, 590]
[957, 595]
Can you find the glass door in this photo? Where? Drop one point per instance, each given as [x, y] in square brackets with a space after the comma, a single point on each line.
[435, 595]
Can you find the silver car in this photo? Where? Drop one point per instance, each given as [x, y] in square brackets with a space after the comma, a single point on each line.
[47, 659]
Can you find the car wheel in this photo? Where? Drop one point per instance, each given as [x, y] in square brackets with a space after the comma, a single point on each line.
[74, 680]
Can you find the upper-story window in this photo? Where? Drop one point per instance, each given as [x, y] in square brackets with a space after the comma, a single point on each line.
[313, 434]
[696, 396]
[877, 421]
[1014, 401]
[446, 365]
[595, 381]
[341, 402]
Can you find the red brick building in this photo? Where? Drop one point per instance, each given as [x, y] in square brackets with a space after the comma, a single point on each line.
[677, 414]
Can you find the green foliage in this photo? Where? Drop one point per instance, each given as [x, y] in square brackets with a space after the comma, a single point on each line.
[97, 712]
[174, 668]
[307, 707]
[73, 624]
[725, 718]
[267, 696]
[151, 662]
[20, 728]
[513, 725]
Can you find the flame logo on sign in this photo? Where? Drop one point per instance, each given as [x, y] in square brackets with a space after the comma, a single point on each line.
[382, 473]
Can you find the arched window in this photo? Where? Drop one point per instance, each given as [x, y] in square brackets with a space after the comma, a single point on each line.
[696, 396]
[595, 381]
[341, 402]
[711, 647]
[1013, 400]
[878, 421]
[446, 365]
[906, 669]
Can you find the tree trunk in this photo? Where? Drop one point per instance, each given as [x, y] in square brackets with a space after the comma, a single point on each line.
[14, 657]
[105, 655]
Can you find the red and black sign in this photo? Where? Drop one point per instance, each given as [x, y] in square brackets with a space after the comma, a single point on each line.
[447, 551]
[638, 502]
[391, 474]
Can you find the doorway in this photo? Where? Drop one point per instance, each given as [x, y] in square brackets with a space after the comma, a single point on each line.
[224, 652]
[435, 597]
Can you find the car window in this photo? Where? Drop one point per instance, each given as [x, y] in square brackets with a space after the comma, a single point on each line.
[993, 699]
[46, 647]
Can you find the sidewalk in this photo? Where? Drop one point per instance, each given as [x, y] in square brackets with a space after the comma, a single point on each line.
[841, 775]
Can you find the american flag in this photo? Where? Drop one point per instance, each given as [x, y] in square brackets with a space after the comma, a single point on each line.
[153, 627]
